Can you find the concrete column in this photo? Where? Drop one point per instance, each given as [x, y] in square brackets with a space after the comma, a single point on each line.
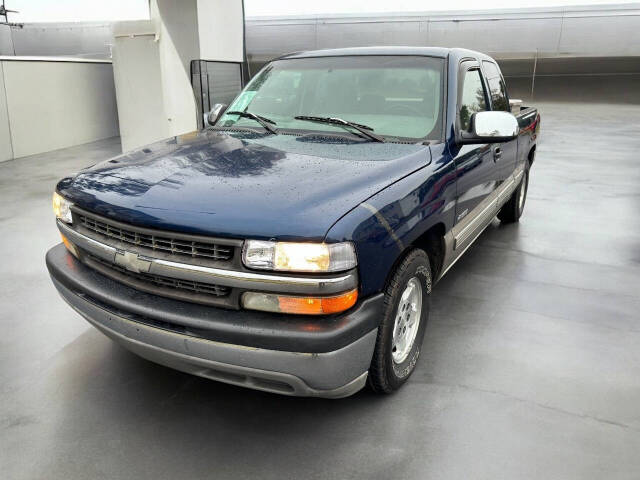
[152, 64]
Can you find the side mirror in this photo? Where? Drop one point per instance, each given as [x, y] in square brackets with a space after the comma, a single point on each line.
[215, 113]
[491, 127]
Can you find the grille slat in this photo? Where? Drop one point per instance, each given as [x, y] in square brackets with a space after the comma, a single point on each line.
[161, 243]
[165, 282]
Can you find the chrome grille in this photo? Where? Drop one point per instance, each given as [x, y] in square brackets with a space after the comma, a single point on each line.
[163, 242]
[163, 282]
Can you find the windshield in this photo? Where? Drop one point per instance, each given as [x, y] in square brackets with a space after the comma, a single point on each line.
[396, 96]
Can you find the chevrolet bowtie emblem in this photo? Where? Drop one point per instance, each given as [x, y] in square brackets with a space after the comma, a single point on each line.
[132, 261]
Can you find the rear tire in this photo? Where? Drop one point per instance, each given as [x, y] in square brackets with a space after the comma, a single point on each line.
[407, 300]
[512, 210]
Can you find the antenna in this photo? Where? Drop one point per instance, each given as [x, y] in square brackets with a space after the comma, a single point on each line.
[4, 13]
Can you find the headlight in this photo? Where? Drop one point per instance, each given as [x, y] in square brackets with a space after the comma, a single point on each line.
[62, 207]
[299, 257]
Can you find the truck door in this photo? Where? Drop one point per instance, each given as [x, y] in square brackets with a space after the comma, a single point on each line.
[475, 166]
[505, 154]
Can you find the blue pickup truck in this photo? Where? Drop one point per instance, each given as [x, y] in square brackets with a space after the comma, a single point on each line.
[293, 244]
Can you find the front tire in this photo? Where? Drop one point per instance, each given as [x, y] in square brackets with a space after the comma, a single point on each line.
[406, 311]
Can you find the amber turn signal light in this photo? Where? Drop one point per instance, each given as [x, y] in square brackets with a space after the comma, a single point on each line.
[70, 246]
[299, 305]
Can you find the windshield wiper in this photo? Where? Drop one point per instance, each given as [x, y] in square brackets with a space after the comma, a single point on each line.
[265, 122]
[363, 129]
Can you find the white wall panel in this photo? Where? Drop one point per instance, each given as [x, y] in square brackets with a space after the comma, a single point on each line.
[57, 104]
[136, 68]
[220, 28]
[178, 45]
[78, 39]
[6, 42]
[6, 152]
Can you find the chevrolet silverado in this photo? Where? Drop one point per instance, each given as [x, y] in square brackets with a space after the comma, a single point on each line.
[292, 245]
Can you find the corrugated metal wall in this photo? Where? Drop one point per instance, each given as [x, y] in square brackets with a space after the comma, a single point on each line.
[577, 53]
[595, 31]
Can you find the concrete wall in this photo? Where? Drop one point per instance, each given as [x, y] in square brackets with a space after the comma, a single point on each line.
[152, 64]
[136, 69]
[581, 79]
[6, 40]
[220, 37]
[78, 39]
[54, 104]
[6, 150]
[153, 73]
[178, 32]
[620, 89]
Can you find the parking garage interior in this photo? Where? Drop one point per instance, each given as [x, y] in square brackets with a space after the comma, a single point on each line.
[530, 366]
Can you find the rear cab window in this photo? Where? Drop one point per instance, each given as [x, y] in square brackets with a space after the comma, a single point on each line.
[497, 87]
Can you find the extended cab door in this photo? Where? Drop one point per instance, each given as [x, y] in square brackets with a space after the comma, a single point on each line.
[504, 154]
[475, 166]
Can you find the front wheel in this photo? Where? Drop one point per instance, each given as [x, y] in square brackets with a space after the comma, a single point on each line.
[406, 310]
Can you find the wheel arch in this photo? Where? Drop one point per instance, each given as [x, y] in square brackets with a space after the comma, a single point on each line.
[531, 155]
[432, 242]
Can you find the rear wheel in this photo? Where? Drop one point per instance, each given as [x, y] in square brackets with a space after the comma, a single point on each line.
[512, 210]
[400, 335]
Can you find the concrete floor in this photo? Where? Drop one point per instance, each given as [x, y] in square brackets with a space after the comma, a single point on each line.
[531, 365]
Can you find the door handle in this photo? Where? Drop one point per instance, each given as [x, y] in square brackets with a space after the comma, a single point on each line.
[497, 153]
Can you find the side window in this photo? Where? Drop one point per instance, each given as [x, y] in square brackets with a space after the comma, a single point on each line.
[473, 97]
[497, 87]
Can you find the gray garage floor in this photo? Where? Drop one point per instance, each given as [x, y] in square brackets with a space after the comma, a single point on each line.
[531, 365]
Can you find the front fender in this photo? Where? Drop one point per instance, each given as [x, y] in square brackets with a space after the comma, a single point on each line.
[387, 224]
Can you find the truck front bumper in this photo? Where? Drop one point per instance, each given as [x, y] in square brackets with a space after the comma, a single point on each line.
[293, 355]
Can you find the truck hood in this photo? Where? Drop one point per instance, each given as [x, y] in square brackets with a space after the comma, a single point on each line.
[242, 184]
